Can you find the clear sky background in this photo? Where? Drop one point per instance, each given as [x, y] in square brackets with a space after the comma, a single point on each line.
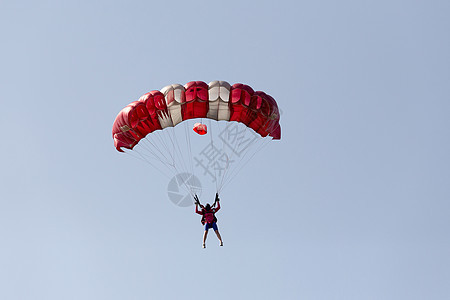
[352, 203]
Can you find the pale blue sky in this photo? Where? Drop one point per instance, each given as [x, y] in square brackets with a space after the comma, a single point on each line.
[352, 203]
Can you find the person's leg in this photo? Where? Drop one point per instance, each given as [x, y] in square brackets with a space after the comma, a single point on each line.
[216, 230]
[205, 234]
[219, 237]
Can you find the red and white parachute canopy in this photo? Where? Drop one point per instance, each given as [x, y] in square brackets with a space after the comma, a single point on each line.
[158, 111]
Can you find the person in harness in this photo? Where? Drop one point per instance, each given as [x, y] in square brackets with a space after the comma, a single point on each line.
[208, 217]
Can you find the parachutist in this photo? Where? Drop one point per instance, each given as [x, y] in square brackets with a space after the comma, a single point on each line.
[208, 217]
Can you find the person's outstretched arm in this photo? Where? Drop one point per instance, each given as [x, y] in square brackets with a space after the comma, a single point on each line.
[197, 211]
[196, 200]
[218, 205]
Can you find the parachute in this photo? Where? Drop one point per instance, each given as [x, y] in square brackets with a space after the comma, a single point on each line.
[240, 122]
[200, 128]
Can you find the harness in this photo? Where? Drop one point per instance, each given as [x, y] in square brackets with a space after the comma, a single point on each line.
[204, 212]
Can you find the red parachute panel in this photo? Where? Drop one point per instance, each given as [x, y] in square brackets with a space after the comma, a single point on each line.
[197, 104]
